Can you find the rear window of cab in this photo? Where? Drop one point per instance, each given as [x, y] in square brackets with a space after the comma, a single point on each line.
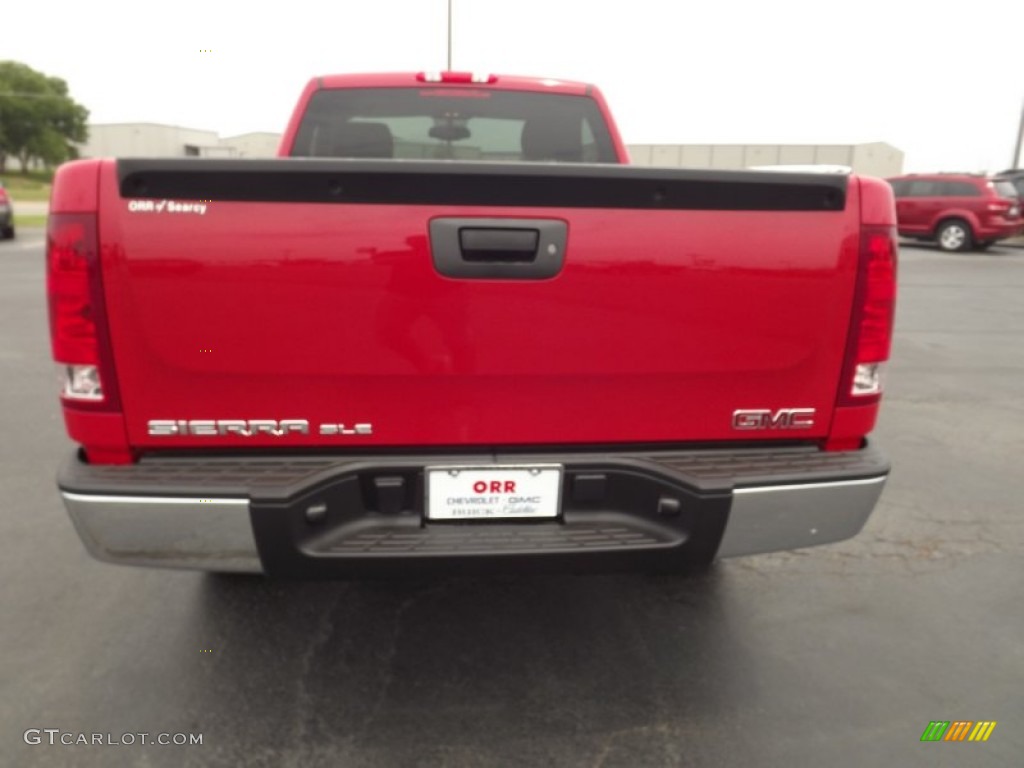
[435, 123]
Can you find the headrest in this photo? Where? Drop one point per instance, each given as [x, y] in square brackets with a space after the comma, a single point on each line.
[553, 137]
[363, 140]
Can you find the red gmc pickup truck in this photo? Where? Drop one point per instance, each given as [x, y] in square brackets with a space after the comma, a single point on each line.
[452, 328]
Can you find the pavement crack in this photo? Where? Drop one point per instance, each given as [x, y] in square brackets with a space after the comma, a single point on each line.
[659, 730]
[387, 662]
[304, 708]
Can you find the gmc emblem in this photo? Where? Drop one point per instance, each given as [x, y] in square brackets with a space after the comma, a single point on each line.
[763, 418]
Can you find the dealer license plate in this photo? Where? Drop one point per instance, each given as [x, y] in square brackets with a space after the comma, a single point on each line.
[494, 493]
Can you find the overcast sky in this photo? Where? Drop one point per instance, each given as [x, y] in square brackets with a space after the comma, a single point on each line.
[943, 81]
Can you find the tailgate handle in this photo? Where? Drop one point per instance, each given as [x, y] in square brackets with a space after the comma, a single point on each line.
[505, 245]
[495, 249]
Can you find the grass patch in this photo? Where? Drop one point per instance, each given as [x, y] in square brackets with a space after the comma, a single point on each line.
[44, 177]
[29, 221]
[34, 188]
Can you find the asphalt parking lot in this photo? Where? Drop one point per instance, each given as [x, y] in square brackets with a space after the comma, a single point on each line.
[838, 656]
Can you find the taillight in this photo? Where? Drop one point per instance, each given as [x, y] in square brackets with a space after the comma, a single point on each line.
[75, 295]
[873, 315]
[1007, 208]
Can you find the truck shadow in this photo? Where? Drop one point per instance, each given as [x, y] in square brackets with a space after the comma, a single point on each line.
[488, 667]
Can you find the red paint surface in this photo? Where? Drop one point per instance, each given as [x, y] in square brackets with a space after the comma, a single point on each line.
[660, 325]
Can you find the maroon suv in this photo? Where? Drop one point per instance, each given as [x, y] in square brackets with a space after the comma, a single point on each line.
[958, 211]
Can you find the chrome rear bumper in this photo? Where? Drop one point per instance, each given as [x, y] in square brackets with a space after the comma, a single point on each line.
[776, 518]
[157, 513]
[167, 532]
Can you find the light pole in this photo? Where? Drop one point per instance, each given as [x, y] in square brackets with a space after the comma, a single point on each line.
[1020, 140]
[450, 39]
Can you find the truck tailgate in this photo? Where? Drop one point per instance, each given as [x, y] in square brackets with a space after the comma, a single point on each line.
[307, 291]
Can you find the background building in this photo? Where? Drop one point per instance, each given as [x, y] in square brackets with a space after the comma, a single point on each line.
[156, 140]
[876, 159]
[259, 144]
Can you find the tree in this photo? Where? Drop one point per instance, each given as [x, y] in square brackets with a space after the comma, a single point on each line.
[38, 119]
